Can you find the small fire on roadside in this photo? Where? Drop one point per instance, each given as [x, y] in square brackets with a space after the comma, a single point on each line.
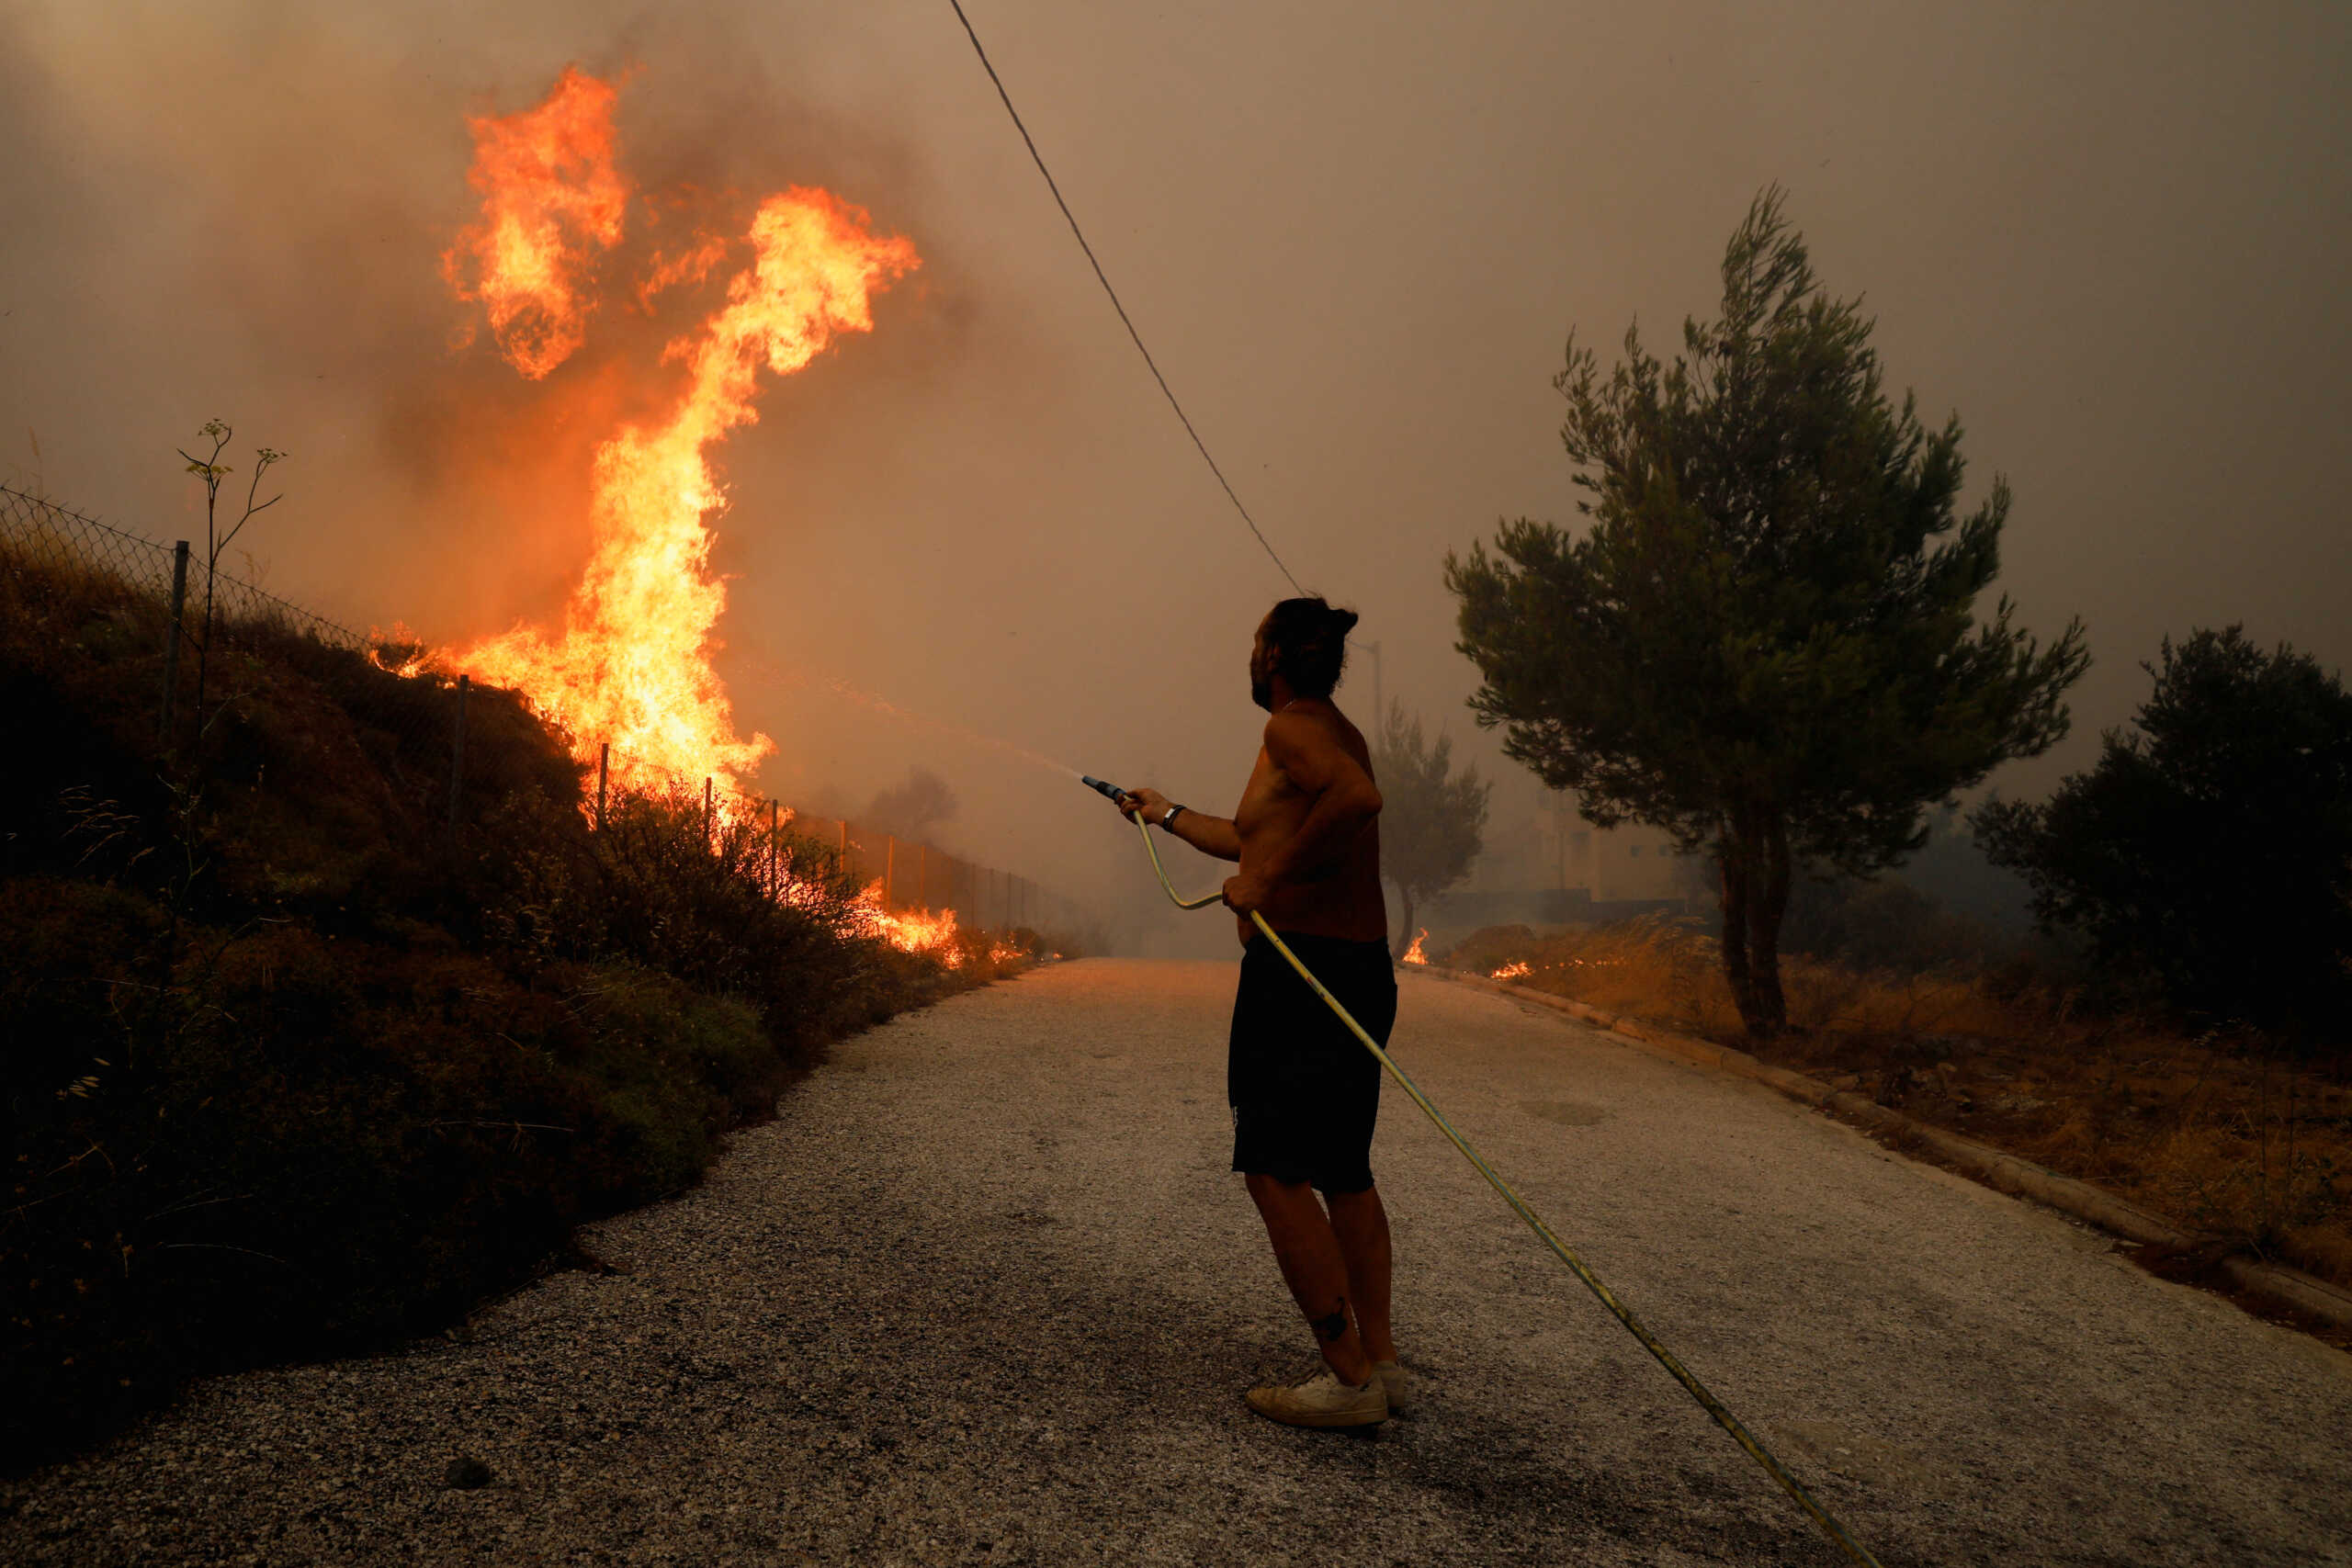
[1512, 971]
[922, 931]
[916, 930]
[1415, 955]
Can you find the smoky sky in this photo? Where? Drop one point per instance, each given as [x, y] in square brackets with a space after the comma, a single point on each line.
[2110, 237]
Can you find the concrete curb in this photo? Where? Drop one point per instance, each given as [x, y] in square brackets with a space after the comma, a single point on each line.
[2288, 1286]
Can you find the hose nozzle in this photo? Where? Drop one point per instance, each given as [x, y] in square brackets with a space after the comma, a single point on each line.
[1102, 788]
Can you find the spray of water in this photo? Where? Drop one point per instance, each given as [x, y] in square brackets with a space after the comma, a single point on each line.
[864, 699]
[769, 670]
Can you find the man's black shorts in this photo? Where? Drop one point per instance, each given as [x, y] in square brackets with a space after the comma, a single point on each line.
[1304, 1092]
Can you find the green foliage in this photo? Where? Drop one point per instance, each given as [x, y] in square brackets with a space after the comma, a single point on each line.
[2209, 853]
[1765, 642]
[310, 1143]
[287, 1068]
[1431, 816]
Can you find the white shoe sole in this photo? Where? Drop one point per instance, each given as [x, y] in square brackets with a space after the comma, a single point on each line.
[1360, 1416]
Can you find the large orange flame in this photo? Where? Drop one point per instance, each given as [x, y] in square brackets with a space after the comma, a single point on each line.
[1415, 955]
[632, 665]
[551, 200]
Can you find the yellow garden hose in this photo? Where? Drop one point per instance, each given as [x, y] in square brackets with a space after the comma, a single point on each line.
[1708, 1401]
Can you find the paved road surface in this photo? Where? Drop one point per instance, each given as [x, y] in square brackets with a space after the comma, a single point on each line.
[987, 1292]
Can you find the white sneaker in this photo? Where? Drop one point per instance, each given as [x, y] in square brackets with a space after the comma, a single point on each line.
[1393, 1383]
[1323, 1401]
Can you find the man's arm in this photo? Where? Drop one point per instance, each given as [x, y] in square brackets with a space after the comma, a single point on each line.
[1210, 835]
[1345, 800]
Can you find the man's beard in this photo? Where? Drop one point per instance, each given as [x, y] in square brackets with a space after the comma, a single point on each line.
[1261, 691]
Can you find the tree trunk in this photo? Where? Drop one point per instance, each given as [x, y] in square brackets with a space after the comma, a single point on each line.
[1732, 861]
[1405, 932]
[1767, 902]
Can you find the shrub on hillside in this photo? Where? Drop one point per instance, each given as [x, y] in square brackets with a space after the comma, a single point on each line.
[288, 1067]
[306, 1142]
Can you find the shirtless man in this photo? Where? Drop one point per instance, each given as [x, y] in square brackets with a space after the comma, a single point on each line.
[1304, 1092]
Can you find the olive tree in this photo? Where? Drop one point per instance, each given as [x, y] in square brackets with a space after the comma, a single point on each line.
[1765, 642]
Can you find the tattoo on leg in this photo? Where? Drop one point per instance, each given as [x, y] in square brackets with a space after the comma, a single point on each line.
[1331, 1328]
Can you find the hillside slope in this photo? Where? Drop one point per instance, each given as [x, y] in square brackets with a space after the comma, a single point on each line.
[291, 1065]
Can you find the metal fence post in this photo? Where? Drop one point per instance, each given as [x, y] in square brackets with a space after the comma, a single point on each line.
[889, 866]
[603, 768]
[172, 637]
[458, 750]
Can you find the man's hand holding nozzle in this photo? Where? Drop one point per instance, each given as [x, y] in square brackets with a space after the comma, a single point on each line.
[1147, 803]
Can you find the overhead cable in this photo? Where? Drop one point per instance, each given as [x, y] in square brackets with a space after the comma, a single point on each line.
[1100, 276]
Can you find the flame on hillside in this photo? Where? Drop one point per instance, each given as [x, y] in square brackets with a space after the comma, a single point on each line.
[1512, 971]
[917, 930]
[398, 651]
[631, 665]
[633, 662]
[1415, 954]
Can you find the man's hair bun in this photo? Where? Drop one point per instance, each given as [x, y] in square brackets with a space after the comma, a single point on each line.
[1310, 642]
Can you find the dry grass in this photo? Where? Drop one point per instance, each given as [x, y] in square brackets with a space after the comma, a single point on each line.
[2215, 1131]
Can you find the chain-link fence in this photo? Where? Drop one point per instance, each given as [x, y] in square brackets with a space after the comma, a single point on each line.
[45, 532]
[906, 874]
[203, 614]
[903, 874]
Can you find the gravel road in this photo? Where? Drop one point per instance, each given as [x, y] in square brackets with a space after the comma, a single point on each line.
[985, 1291]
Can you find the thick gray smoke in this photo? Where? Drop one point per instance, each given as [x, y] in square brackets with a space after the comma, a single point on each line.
[1356, 236]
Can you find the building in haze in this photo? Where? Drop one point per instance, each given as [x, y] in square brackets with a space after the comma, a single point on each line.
[1543, 865]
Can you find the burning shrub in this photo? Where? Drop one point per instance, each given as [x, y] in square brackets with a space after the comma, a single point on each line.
[705, 899]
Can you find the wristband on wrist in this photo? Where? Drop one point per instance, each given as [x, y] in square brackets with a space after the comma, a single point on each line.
[1168, 819]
